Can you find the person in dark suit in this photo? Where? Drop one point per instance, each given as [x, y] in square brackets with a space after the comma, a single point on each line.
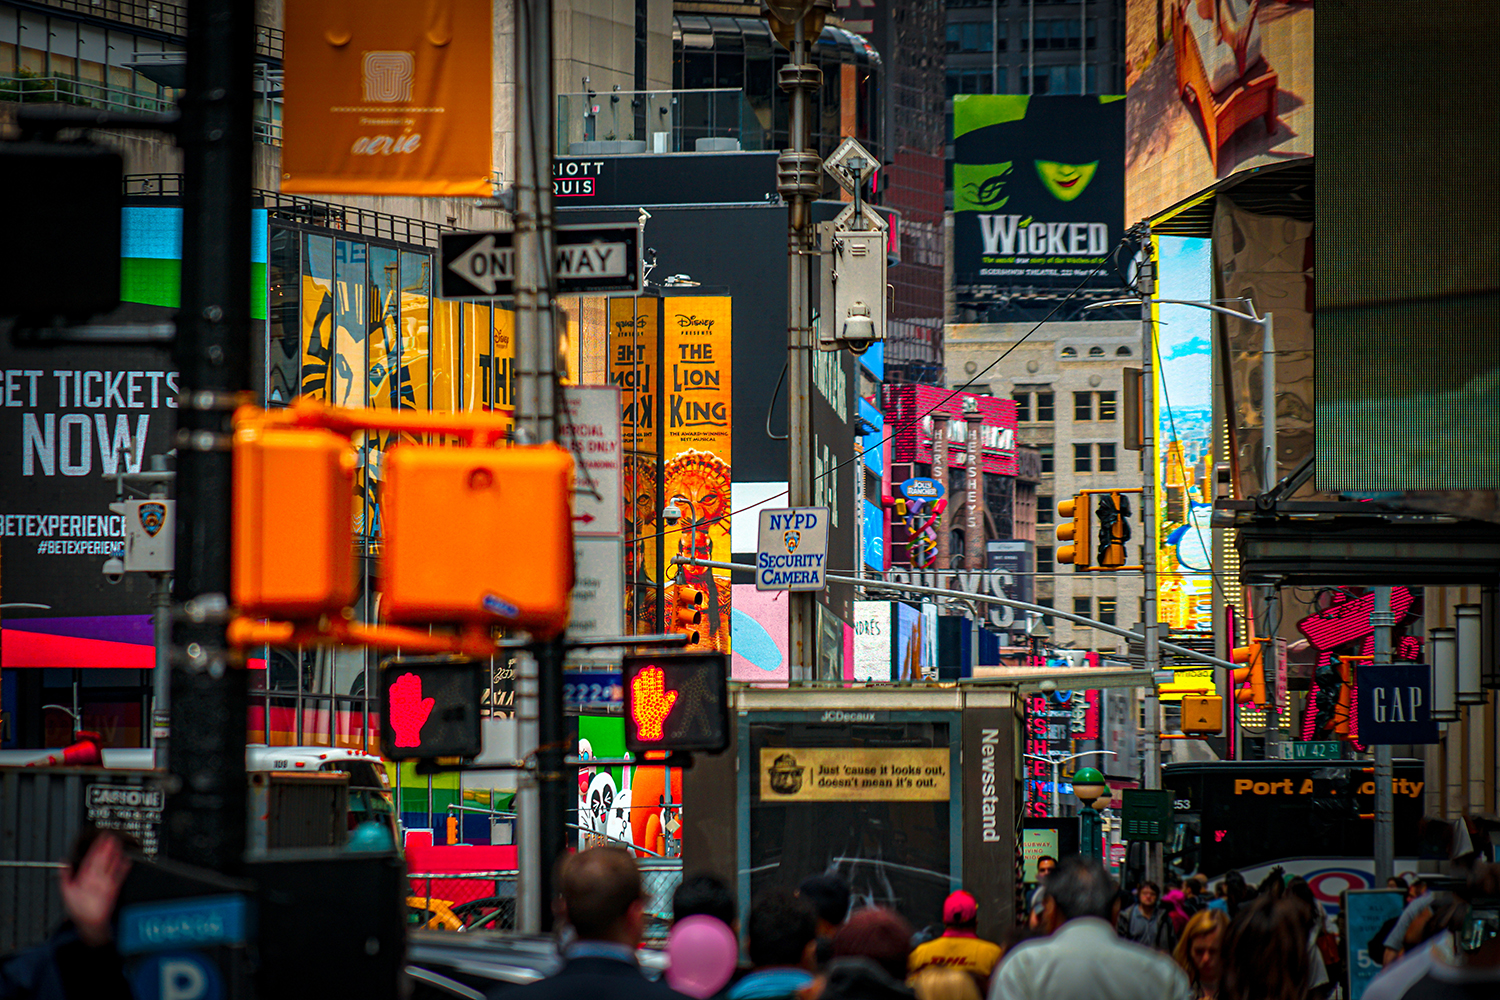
[601, 897]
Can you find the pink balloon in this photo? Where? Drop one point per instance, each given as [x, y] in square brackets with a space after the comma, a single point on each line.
[703, 953]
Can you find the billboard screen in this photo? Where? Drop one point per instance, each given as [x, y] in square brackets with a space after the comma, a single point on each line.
[1212, 87]
[1038, 189]
[909, 407]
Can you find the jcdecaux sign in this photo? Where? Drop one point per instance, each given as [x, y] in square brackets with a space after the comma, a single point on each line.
[792, 549]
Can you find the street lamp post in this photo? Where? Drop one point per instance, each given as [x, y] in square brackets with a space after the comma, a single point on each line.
[1092, 790]
[1058, 762]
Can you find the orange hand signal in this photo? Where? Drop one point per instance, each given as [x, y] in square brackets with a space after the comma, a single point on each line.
[650, 702]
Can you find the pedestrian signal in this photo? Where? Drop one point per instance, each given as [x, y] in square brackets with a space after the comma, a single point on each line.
[1075, 532]
[1202, 715]
[429, 708]
[676, 702]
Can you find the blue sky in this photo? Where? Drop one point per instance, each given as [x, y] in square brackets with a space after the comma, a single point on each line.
[1184, 334]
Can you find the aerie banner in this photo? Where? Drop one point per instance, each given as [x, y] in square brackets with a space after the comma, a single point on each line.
[387, 98]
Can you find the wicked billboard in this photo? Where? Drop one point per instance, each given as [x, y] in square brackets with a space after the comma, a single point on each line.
[1038, 190]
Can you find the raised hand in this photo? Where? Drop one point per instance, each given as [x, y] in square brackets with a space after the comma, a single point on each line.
[409, 710]
[89, 894]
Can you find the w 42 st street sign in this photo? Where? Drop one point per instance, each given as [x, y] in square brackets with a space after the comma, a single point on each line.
[588, 260]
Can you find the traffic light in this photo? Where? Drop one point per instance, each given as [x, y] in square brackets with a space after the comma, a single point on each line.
[676, 702]
[429, 708]
[1113, 513]
[1076, 532]
[1253, 671]
[687, 611]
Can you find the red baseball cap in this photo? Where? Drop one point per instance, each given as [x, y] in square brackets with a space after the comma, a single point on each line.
[960, 908]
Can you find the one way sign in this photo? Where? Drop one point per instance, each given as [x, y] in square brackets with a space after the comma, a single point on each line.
[589, 259]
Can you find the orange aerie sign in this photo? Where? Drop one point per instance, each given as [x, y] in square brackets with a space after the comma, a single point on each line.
[387, 97]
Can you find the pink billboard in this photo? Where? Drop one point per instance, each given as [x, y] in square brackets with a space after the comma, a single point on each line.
[909, 409]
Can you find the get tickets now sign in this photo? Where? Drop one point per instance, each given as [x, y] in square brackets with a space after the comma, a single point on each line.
[386, 97]
[792, 549]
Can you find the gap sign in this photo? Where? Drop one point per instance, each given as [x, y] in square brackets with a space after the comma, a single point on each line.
[1395, 704]
[588, 259]
[792, 549]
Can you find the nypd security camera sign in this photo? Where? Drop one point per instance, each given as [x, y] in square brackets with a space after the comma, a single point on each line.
[792, 549]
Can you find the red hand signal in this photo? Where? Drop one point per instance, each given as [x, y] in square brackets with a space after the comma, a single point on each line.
[650, 703]
[409, 710]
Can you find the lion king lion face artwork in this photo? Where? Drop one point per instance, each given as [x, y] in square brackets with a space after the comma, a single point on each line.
[702, 479]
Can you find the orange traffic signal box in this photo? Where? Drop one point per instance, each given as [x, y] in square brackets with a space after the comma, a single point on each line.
[478, 535]
[297, 483]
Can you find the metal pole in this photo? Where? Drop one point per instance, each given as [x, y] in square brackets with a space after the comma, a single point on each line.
[1383, 621]
[206, 811]
[542, 830]
[1150, 639]
[161, 673]
[1056, 779]
[797, 180]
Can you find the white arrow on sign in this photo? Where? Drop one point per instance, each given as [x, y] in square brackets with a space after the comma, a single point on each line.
[485, 265]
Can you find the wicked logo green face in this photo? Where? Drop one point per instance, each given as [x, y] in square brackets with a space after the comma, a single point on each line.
[1066, 181]
[981, 187]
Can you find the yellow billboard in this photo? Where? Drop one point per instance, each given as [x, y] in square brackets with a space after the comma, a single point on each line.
[904, 774]
[386, 97]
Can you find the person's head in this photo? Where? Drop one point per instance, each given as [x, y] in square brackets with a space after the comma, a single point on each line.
[1200, 949]
[1265, 952]
[601, 895]
[961, 911]
[1171, 882]
[1396, 882]
[705, 895]
[1417, 888]
[1301, 893]
[879, 935]
[829, 897]
[1147, 894]
[1195, 886]
[1080, 887]
[1045, 865]
[1221, 890]
[783, 931]
[938, 983]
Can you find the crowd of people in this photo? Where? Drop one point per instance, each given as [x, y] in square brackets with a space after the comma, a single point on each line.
[1080, 938]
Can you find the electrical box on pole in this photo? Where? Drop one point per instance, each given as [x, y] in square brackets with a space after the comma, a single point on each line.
[853, 280]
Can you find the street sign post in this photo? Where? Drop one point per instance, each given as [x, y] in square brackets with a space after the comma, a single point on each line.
[791, 551]
[590, 260]
[1314, 750]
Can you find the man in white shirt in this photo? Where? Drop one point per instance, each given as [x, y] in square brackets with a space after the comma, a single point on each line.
[1084, 959]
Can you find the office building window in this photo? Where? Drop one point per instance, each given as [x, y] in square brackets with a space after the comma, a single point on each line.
[1106, 406]
[1106, 458]
[1047, 458]
[1044, 557]
[1083, 406]
[1081, 606]
[1023, 406]
[1046, 602]
[1045, 411]
[1107, 607]
[1044, 509]
[1083, 458]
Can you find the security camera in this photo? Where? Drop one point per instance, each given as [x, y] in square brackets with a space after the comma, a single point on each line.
[671, 514]
[859, 329]
[114, 569]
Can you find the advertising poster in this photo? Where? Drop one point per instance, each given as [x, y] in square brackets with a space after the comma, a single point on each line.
[695, 435]
[1038, 190]
[911, 645]
[1365, 912]
[759, 634]
[633, 368]
[872, 640]
[854, 775]
[1213, 87]
[621, 805]
[1184, 429]
[68, 419]
[384, 99]
[908, 408]
[1035, 845]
